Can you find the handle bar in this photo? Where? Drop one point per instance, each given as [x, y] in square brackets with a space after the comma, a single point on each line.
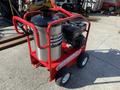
[32, 26]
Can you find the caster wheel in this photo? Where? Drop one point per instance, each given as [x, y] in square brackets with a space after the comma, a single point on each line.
[62, 77]
[82, 60]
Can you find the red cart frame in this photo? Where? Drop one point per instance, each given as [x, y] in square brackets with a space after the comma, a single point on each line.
[66, 59]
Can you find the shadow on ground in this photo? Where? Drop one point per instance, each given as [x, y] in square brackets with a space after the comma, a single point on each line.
[102, 68]
[5, 22]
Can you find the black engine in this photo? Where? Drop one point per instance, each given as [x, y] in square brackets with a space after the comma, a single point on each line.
[72, 33]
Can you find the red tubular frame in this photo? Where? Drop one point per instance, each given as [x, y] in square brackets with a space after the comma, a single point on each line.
[70, 16]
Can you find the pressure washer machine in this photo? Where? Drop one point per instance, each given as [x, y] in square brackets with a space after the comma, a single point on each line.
[60, 39]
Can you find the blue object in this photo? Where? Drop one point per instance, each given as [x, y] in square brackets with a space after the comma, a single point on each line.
[43, 21]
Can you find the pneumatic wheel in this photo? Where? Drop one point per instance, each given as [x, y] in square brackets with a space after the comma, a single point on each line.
[82, 60]
[62, 77]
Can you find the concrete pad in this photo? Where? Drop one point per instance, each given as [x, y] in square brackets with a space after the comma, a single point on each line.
[7, 32]
[102, 31]
[17, 73]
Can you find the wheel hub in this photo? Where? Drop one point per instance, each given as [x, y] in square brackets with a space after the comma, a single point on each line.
[66, 78]
[85, 61]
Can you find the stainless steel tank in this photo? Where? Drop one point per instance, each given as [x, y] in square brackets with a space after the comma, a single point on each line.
[55, 36]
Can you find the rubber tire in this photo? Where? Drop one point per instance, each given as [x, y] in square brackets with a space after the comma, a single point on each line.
[60, 75]
[81, 58]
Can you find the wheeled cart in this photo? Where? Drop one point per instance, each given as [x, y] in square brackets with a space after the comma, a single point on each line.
[70, 52]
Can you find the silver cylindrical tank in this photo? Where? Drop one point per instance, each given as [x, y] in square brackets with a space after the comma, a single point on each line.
[55, 38]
